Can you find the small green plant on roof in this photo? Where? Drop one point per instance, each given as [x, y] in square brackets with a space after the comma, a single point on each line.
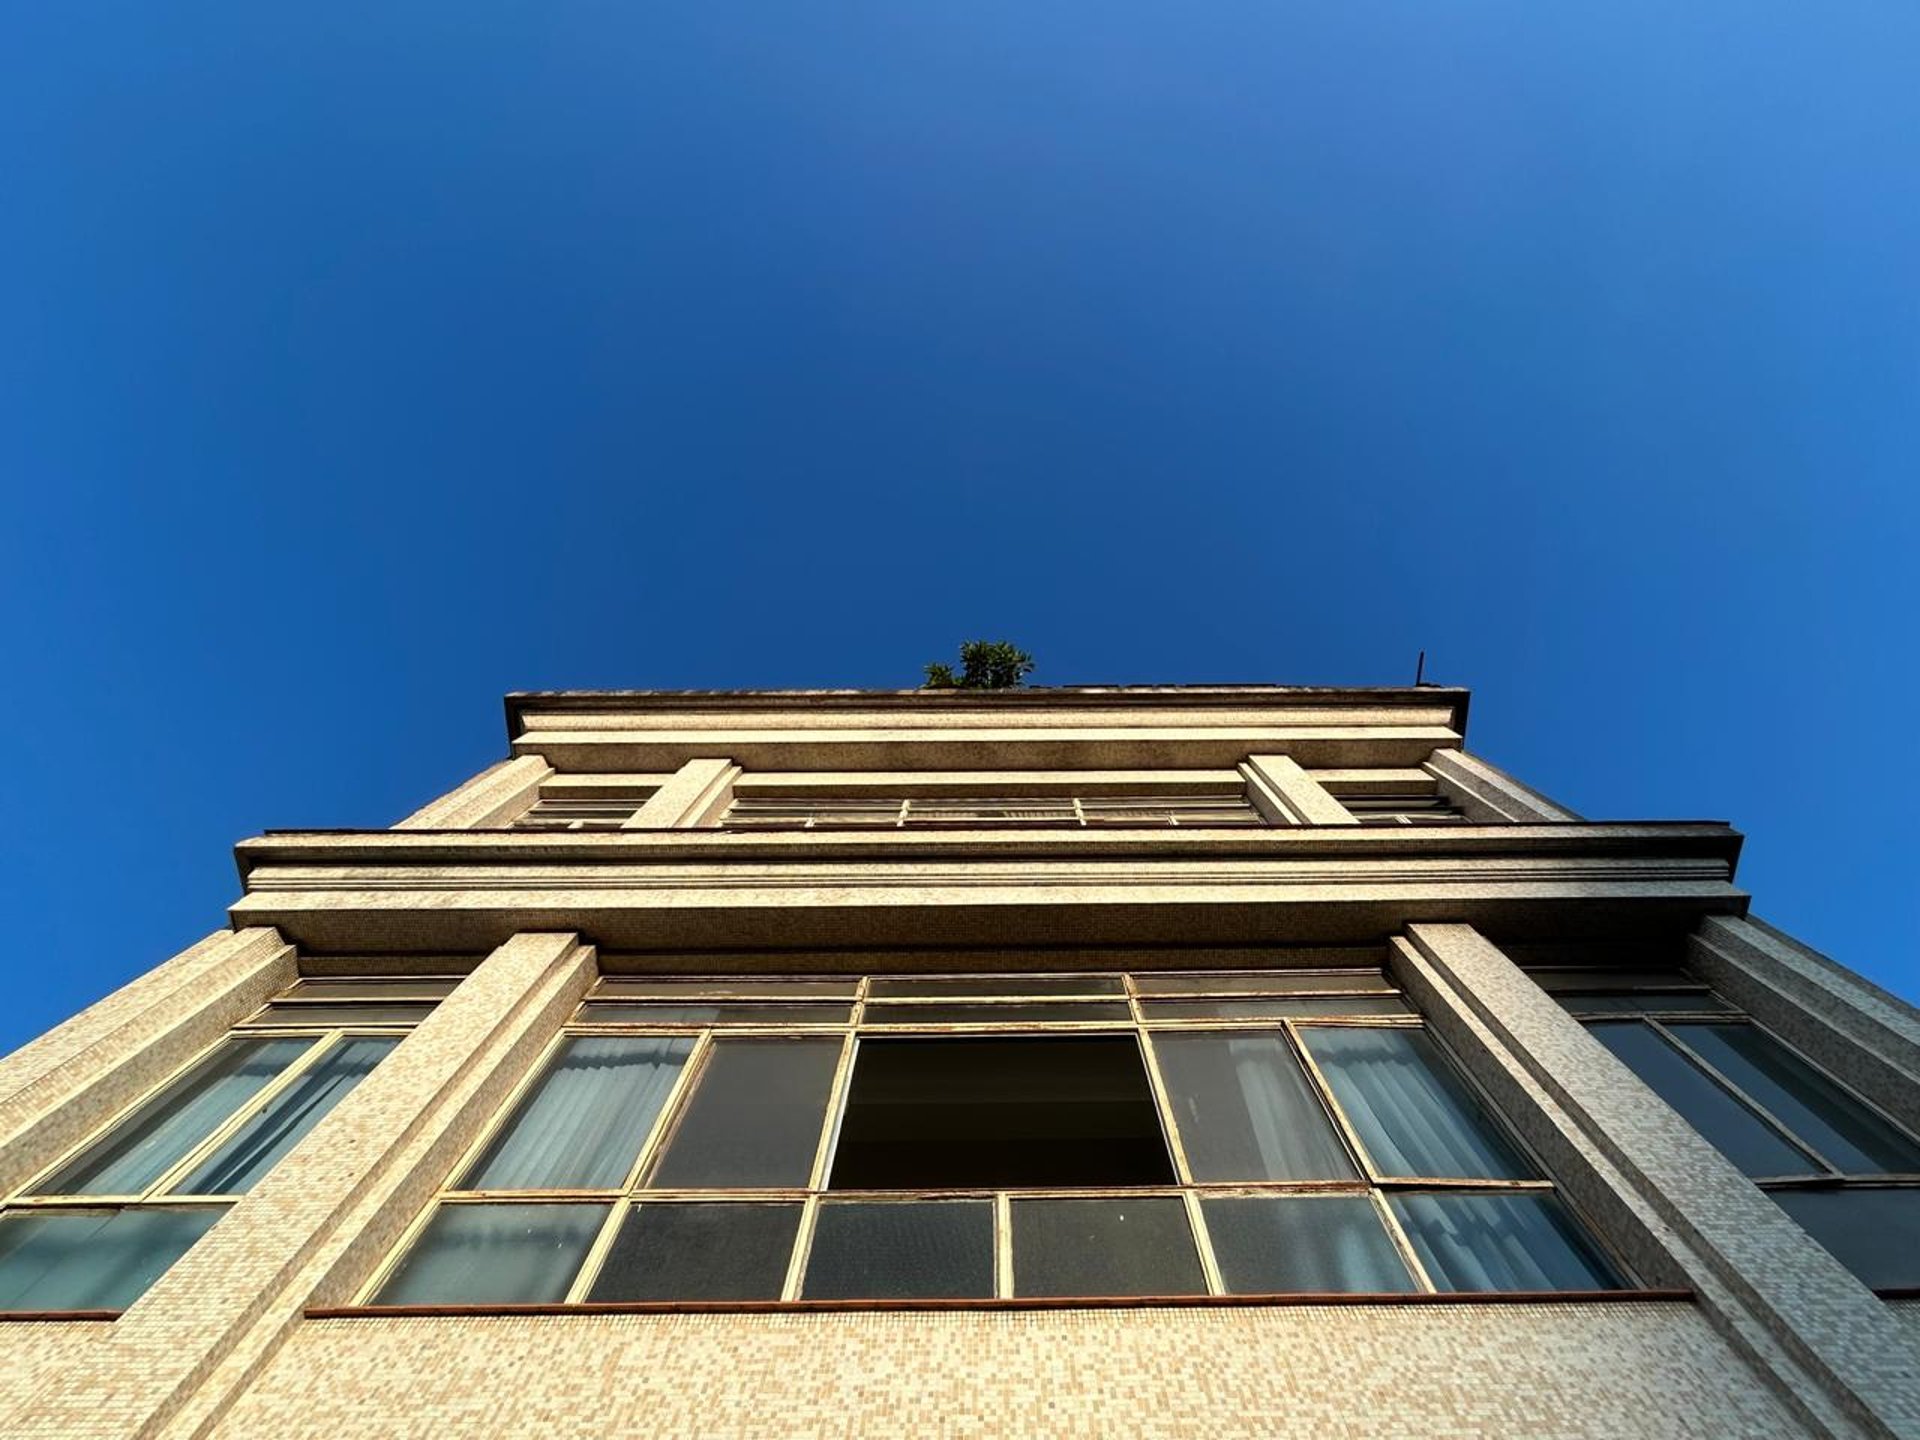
[984, 665]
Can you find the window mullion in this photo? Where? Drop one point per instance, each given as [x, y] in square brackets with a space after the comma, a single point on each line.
[1344, 1127]
[670, 1110]
[1779, 1126]
[596, 1256]
[1002, 1245]
[1402, 1242]
[1203, 1243]
[1157, 1083]
[253, 1105]
[802, 1248]
[836, 1110]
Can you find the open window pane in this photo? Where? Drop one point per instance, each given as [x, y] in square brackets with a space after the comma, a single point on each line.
[92, 1259]
[755, 1116]
[495, 1255]
[1742, 1136]
[1283, 1245]
[1104, 1247]
[1874, 1233]
[1245, 1110]
[150, 1141]
[1502, 1242]
[999, 1111]
[1809, 1104]
[1411, 1110]
[920, 1249]
[721, 1251]
[582, 1125]
[256, 1147]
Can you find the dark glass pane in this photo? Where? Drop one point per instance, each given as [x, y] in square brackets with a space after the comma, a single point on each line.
[142, 1147]
[1283, 1245]
[1258, 982]
[741, 987]
[1743, 1137]
[256, 1147]
[385, 987]
[886, 987]
[1410, 1108]
[1502, 1242]
[581, 1127]
[1279, 1007]
[1874, 1233]
[1245, 1110]
[1555, 979]
[322, 1016]
[700, 1252]
[1085, 1011]
[924, 1249]
[980, 1113]
[1815, 1108]
[92, 1259]
[1104, 1247]
[598, 1012]
[1644, 1004]
[495, 1255]
[755, 1116]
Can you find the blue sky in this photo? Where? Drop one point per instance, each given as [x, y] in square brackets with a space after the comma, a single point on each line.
[360, 363]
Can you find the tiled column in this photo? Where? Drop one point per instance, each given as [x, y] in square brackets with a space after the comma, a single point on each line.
[492, 797]
[1486, 793]
[1287, 795]
[1836, 1352]
[697, 795]
[57, 1089]
[312, 1230]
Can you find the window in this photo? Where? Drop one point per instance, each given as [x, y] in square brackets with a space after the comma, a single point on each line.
[977, 1137]
[1068, 812]
[1403, 809]
[93, 1232]
[1848, 1174]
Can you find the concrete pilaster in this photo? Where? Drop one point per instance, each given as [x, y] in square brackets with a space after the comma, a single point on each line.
[696, 796]
[317, 1224]
[1287, 795]
[493, 797]
[1831, 1346]
[1486, 793]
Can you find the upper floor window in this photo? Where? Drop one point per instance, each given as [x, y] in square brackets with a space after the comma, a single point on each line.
[993, 1136]
[761, 812]
[96, 1229]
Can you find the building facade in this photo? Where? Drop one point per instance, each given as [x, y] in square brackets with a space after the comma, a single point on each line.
[1206, 1061]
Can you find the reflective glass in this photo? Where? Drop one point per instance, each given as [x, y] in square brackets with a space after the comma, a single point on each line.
[626, 1012]
[741, 987]
[1279, 1007]
[1410, 1108]
[722, 1251]
[258, 1144]
[145, 1145]
[1668, 1003]
[583, 1123]
[1301, 1244]
[495, 1255]
[1042, 1010]
[1091, 1248]
[332, 1014]
[1245, 1110]
[1502, 1242]
[386, 987]
[755, 1116]
[920, 1249]
[92, 1259]
[886, 987]
[1874, 1233]
[1257, 982]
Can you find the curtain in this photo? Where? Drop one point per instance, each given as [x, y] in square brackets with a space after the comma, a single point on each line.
[1246, 1111]
[1501, 1242]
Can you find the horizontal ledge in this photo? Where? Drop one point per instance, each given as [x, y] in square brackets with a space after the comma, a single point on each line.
[1103, 1302]
[11, 1317]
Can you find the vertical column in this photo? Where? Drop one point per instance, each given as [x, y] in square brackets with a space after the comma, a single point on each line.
[1485, 793]
[492, 797]
[315, 1226]
[64, 1085]
[1837, 1352]
[1287, 795]
[697, 795]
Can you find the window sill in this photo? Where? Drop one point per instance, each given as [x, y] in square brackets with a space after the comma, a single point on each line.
[15, 1317]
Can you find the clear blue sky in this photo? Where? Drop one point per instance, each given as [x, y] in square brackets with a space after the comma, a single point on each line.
[359, 363]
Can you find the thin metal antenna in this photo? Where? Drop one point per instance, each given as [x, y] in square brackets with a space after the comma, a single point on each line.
[1420, 669]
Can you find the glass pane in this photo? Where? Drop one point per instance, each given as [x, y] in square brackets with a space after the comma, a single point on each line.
[1287, 1245]
[1874, 1233]
[755, 1116]
[700, 1252]
[1245, 1110]
[1259, 982]
[741, 987]
[893, 986]
[1411, 1110]
[386, 987]
[256, 1147]
[581, 1127]
[1743, 1137]
[1815, 1108]
[1282, 1007]
[1104, 1247]
[598, 1012]
[1502, 1242]
[925, 1249]
[1555, 979]
[321, 1016]
[1085, 1011]
[92, 1259]
[1697, 1003]
[142, 1147]
[495, 1255]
